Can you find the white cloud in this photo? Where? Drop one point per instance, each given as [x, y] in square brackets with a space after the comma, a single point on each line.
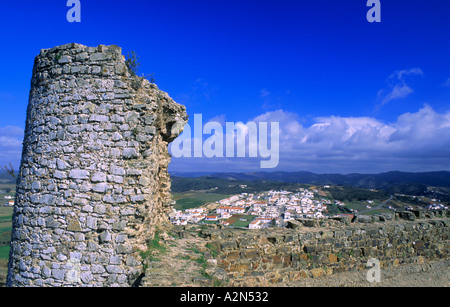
[446, 83]
[423, 129]
[398, 87]
[399, 91]
[400, 74]
[11, 138]
[11, 131]
[416, 141]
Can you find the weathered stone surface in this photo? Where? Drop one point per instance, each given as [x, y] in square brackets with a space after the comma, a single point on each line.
[288, 255]
[79, 174]
[407, 215]
[294, 224]
[93, 182]
[73, 225]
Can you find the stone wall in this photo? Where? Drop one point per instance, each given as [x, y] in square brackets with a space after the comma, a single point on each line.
[283, 256]
[93, 180]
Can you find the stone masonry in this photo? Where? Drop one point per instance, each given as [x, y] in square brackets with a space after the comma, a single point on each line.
[93, 181]
[304, 253]
[286, 256]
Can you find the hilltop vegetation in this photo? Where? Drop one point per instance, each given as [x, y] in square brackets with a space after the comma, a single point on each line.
[434, 185]
[392, 182]
[351, 194]
[226, 186]
[187, 200]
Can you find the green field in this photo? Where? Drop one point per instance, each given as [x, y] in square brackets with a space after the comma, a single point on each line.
[5, 219]
[241, 220]
[4, 252]
[6, 211]
[189, 200]
[361, 205]
[5, 231]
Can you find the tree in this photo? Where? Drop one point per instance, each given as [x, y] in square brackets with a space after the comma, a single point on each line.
[8, 169]
[132, 62]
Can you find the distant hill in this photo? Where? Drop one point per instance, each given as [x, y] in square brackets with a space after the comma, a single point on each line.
[7, 178]
[392, 182]
[441, 178]
[225, 185]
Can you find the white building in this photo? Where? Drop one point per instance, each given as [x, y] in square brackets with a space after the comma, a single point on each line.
[211, 218]
[260, 222]
[229, 200]
[230, 209]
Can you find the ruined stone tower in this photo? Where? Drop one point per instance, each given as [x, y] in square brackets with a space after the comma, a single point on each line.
[93, 181]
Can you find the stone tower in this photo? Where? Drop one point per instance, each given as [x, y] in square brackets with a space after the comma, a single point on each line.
[93, 181]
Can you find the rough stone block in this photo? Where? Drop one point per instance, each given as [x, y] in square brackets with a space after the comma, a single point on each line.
[79, 174]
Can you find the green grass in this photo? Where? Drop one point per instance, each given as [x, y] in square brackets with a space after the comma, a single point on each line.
[5, 229]
[189, 200]
[361, 205]
[4, 252]
[152, 246]
[241, 220]
[5, 219]
[6, 211]
[379, 211]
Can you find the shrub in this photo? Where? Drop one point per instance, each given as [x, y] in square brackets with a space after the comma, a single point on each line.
[132, 62]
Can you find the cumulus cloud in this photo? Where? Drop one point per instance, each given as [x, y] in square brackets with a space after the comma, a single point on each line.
[416, 141]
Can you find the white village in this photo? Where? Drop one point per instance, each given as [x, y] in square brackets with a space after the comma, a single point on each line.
[255, 211]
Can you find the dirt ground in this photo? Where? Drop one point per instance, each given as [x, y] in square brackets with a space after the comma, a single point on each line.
[187, 271]
[432, 274]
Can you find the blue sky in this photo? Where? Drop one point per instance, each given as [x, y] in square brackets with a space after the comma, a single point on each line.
[350, 96]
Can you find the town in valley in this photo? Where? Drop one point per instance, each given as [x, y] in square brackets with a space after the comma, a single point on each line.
[275, 208]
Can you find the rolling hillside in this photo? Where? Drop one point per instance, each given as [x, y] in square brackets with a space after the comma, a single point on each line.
[391, 182]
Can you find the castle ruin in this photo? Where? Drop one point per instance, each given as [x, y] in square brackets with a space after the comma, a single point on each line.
[93, 181]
